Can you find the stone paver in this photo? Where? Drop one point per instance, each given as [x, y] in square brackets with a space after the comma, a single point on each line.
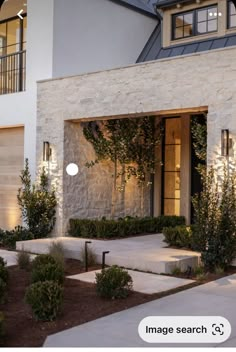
[142, 282]
[144, 253]
[121, 329]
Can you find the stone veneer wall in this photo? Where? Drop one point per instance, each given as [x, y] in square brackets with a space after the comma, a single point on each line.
[89, 194]
[195, 82]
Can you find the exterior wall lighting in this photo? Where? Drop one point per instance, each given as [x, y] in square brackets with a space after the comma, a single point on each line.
[72, 169]
[46, 151]
[225, 142]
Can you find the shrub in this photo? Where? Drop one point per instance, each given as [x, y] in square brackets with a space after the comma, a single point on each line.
[176, 271]
[3, 288]
[2, 328]
[128, 226]
[48, 272]
[199, 270]
[3, 273]
[215, 218]
[37, 203]
[18, 234]
[43, 259]
[2, 261]
[57, 251]
[23, 260]
[45, 299]
[113, 283]
[178, 236]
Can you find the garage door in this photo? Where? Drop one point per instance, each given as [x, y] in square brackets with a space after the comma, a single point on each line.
[11, 164]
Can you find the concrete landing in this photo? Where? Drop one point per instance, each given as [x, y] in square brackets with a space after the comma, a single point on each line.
[145, 253]
[9, 256]
[142, 282]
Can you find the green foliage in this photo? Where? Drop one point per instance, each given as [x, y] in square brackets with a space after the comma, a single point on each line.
[176, 271]
[43, 259]
[121, 228]
[18, 234]
[199, 270]
[37, 203]
[113, 283]
[45, 299]
[3, 288]
[2, 261]
[206, 207]
[48, 272]
[199, 136]
[4, 273]
[57, 251]
[23, 260]
[128, 142]
[2, 328]
[178, 236]
[215, 222]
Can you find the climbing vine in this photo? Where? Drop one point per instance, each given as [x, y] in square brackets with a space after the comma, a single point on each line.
[199, 135]
[129, 143]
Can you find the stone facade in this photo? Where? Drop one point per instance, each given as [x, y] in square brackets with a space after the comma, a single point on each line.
[188, 84]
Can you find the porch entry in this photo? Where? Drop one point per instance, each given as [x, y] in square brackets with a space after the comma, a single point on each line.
[171, 178]
[180, 180]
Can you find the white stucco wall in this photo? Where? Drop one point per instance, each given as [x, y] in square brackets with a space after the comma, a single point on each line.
[92, 35]
[20, 108]
[199, 82]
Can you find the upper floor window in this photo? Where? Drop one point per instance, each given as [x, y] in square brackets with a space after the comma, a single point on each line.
[231, 15]
[12, 35]
[195, 22]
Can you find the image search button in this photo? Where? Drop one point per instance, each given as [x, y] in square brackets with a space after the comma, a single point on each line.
[184, 329]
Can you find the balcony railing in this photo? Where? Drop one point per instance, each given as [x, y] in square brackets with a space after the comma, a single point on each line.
[12, 72]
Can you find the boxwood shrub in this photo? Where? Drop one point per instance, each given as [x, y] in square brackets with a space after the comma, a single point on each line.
[45, 299]
[123, 227]
[114, 282]
[178, 236]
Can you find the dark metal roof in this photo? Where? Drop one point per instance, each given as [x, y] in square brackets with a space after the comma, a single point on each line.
[153, 49]
[146, 7]
[167, 3]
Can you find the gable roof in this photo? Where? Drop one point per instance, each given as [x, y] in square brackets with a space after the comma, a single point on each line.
[161, 4]
[146, 7]
[153, 50]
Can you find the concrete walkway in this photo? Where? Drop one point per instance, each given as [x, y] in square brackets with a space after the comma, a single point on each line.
[142, 282]
[121, 329]
[145, 253]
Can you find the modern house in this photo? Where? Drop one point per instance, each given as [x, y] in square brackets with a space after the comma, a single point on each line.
[173, 61]
[55, 38]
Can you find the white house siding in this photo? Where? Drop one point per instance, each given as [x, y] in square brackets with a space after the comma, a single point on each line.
[54, 46]
[96, 35]
[199, 82]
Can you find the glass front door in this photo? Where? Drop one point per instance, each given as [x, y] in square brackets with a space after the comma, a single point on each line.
[171, 167]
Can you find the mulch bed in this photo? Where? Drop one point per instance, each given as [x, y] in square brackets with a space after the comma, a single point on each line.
[81, 304]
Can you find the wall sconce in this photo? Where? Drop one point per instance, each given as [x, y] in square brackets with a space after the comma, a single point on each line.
[46, 151]
[226, 142]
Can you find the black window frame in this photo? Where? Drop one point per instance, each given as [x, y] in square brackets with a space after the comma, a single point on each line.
[21, 34]
[228, 14]
[194, 26]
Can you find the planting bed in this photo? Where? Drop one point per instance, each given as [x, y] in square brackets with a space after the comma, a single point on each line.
[80, 305]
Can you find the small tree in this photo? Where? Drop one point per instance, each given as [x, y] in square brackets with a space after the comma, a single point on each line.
[215, 217]
[37, 203]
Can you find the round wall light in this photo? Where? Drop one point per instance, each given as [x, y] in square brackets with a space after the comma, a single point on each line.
[72, 169]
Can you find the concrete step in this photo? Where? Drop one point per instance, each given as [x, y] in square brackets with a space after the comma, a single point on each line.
[144, 253]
